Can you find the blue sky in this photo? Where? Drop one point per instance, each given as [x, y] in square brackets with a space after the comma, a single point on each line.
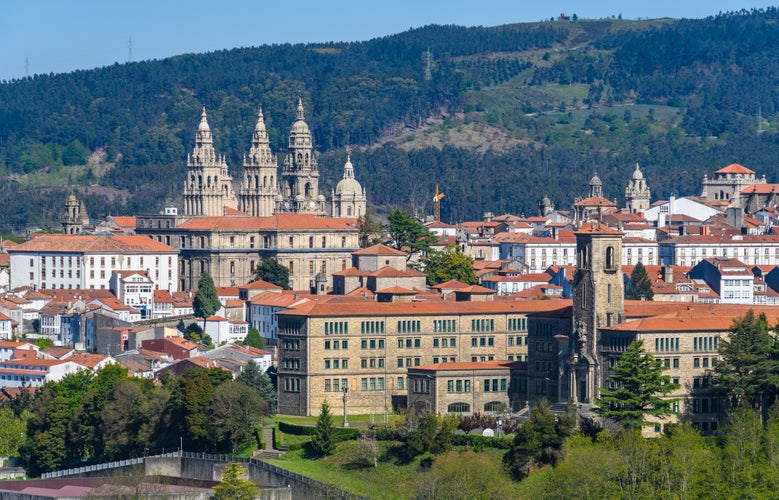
[42, 36]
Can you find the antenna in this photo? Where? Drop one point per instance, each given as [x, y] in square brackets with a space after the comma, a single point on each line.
[130, 49]
[26, 66]
[428, 72]
[760, 120]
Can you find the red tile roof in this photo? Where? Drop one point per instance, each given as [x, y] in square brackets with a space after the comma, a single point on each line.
[761, 189]
[595, 201]
[734, 168]
[260, 285]
[379, 250]
[66, 243]
[127, 221]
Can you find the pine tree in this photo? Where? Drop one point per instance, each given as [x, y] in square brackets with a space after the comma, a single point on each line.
[234, 485]
[640, 285]
[639, 379]
[323, 441]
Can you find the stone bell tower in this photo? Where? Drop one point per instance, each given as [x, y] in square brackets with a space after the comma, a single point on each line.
[598, 301]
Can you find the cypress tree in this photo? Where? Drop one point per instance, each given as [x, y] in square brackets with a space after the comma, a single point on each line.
[640, 285]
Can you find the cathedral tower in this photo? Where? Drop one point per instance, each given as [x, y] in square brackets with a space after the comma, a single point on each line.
[637, 193]
[76, 218]
[300, 175]
[208, 189]
[598, 301]
[349, 198]
[259, 188]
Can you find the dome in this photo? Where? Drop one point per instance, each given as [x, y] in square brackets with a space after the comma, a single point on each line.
[300, 126]
[637, 175]
[595, 181]
[203, 122]
[348, 186]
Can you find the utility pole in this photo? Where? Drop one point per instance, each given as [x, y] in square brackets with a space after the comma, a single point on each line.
[130, 49]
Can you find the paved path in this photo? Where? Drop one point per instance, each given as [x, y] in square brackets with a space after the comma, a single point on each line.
[267, 437]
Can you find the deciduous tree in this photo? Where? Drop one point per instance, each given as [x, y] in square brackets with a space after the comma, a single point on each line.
[449, 264]
[639, 383]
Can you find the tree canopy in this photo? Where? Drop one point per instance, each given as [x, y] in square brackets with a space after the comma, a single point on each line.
[235, 485]
[271, 271]
[747, 371]
[639, 382]
[408, 234]
[206, 301]
[323, 440]
[449, 264]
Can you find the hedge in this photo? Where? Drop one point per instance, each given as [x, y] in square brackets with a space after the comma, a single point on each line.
[339, 433]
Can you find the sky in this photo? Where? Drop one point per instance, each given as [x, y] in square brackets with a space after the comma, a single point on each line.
[55, 36]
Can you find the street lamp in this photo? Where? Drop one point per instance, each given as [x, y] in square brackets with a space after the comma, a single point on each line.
[345, 391]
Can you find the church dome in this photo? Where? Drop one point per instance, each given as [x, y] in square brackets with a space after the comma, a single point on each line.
[348, 186]
[300, 127]
[637, 175]
[595, 181]
[203, 127]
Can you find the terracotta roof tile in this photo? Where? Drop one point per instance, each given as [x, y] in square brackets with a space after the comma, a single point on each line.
[66, 243]
[379, 250]
[734, 168]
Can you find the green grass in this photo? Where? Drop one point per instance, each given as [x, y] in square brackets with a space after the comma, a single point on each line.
[354, 420]
[389, 480]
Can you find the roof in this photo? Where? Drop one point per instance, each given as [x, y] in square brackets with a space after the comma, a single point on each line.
[387, 271]
[280, 221]
[449, 285]
[734, 168]
[707, 319]
[125, 221]
[227, 291]
[760, 189]
[88, 360]
[441, 307]
[379, 250]
[397, 290]
[85, 244]
[595, 201]
[260, 285]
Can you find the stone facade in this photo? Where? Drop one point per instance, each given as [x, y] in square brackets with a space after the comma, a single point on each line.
[637, 194]
[369, 346]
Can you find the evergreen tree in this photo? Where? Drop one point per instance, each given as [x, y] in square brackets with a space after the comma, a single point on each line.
[747, 371]
[261, 382]
[206, 301]
[271, 271]
[450, 264]
[234, 485]
[639, 380]
[254, 339]
[408, 234]
[323, 441]
[640, 285]
[370, 230]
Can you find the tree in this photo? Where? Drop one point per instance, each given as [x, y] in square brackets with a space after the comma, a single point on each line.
[450, 264]
[271, 271]
[747, 371]
[408, 234]
[640, 285]
[234, 485]
[254, 339]
[639, 379]
[206, 301]
[371, 230]
[446, 479]
[234, 412]
[261, 382]
[11, 432]
[323, 441]
[539, 441]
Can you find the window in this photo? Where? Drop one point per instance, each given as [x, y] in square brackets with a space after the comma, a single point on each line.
[459, 408]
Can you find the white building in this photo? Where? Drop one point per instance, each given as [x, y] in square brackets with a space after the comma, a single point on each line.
[752, 250]
[660, 211]
[635, 250]
[731, 279]
[76, 261]
[134, 289]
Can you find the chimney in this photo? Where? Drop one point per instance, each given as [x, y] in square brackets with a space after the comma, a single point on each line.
[668, 274]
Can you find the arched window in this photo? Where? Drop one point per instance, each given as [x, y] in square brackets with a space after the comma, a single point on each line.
[494, 407]
[458, 408]
[308, 190]
[610, 261]
[583, 257]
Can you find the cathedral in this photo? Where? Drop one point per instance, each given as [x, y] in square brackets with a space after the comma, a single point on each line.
[264, 191]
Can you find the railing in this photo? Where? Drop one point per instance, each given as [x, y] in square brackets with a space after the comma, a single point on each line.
[202, 456]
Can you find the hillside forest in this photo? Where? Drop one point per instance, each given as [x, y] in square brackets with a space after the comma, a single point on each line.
[497, 116]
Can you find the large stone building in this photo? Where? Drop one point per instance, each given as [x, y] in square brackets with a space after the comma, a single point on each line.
[368, 346]
[637, 194]
[276, 214]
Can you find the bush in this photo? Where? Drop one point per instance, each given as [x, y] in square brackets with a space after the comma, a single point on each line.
[339, 433]
[478, 442]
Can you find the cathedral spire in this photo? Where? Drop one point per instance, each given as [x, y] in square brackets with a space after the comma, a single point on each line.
[301, 115]
[348, 168]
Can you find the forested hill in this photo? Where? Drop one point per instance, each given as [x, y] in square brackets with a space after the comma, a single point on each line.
[496, 116]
